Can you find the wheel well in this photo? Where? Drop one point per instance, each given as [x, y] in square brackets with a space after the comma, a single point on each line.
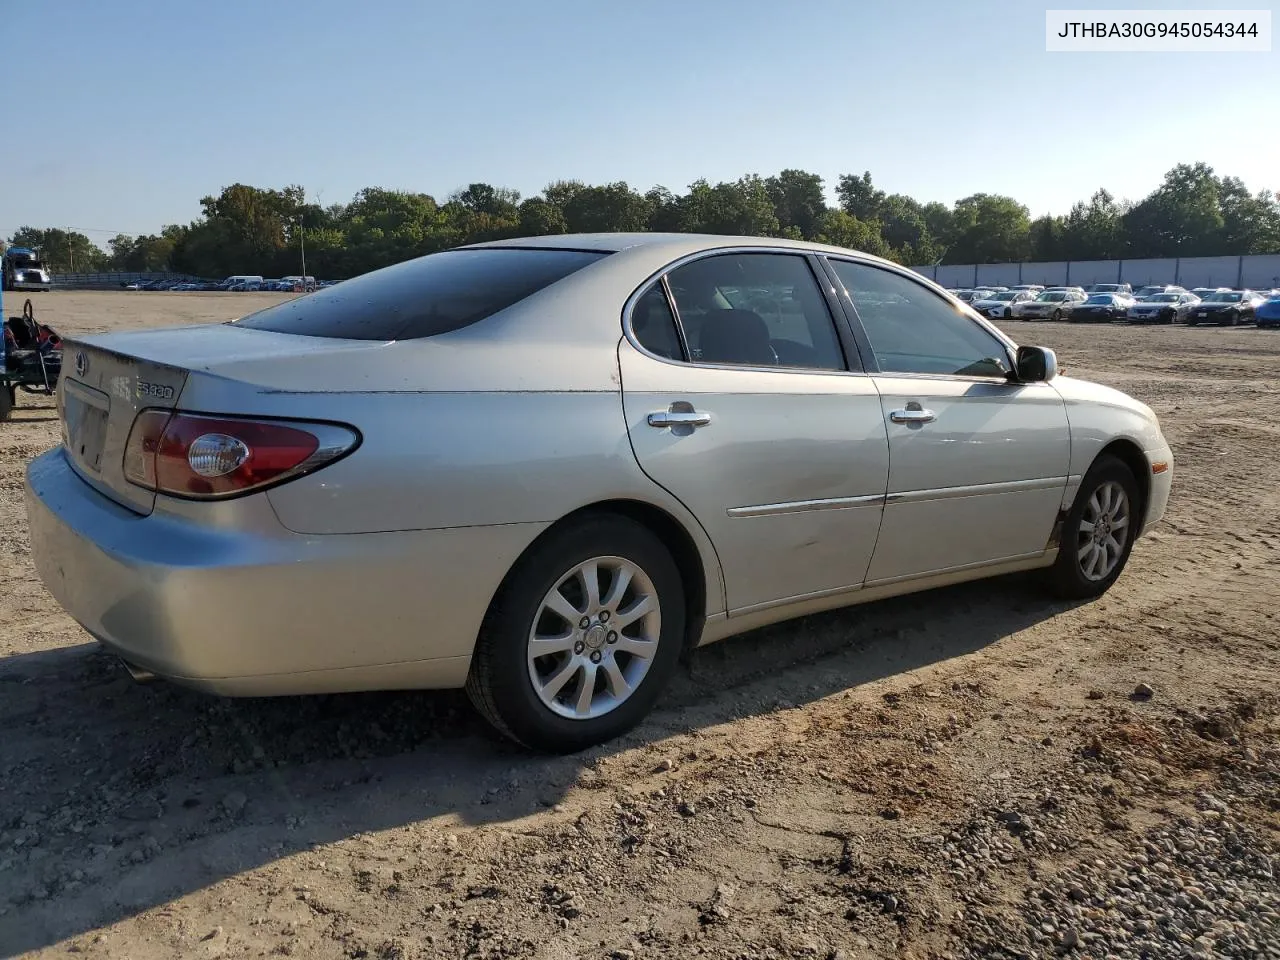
[1132, 456]
[677, 541]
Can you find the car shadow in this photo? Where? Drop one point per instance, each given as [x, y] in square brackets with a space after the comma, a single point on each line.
[118, 798]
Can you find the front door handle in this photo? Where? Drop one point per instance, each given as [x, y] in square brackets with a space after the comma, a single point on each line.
[913, 415]
[678, 418]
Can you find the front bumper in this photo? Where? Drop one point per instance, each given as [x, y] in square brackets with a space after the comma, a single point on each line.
[255, 610]
[1209, 316]
[1161, 484]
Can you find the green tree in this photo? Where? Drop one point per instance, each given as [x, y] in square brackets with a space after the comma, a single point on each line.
[612, 208]
[539, 217]
[798, 201]
[990, 229]
[1180, 218]
[740, 208]
[841, 229]
[1048, 239]
[495, 202]
[665, 214]
[63, 251]
[859, 197]
[1095, 230]
[1250, 222]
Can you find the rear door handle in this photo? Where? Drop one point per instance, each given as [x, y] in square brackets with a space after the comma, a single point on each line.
[678, 418]
[913, 415]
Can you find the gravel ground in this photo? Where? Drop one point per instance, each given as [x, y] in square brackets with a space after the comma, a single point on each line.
[973, 773]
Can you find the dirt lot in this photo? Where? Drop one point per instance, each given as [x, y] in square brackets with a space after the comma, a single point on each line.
[971, 773]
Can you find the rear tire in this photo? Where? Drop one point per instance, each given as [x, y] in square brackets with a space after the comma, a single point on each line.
[8, 400]
[1057, 316]
[1098, 533]
[622, 659]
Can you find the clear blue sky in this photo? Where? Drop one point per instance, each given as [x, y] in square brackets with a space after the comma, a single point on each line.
[152, 105]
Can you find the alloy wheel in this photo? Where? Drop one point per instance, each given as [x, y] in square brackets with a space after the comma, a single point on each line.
[1103, 531]
[594, 638]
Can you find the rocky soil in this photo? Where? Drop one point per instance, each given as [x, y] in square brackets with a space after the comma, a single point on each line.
[974, 773]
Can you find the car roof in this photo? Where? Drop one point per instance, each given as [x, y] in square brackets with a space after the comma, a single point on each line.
[676, 244]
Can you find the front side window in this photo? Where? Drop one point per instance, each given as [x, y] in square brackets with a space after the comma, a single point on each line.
[912, 330]
[423, 297]
[756, 309]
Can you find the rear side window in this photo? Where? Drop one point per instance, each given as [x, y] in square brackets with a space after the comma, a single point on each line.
[758, 309]
[423, 297]
[655, 324]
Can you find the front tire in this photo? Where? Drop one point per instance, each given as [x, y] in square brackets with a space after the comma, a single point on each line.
[581, 638]
[1098, 533]
[1057, 316]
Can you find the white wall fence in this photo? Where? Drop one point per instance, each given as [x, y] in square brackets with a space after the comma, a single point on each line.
[1252, 272]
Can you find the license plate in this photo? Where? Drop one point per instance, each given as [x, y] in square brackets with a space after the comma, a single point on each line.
[1202, 314]
[86, 431]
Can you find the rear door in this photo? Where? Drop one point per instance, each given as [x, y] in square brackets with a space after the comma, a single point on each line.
[753, 410]
[978, 464]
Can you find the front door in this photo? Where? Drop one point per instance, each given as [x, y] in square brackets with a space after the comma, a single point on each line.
[978, 464]
[742, 404]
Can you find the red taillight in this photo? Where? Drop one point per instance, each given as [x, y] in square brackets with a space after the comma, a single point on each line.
[207, 457]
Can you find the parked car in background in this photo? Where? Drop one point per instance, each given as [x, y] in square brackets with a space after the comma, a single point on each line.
[1000, 304]
[971, 294]
[1124, 288]
[241, 280]
[1226, 308]
[1050, 305]
[1162, 308]
[246, 286]
[1153, 289]
[1203, 292]
[1102, 308]
[1033, 287]
[1267, 313]
[259, 521]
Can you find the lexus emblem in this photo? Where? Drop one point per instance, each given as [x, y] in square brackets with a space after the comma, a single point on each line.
[82, 363]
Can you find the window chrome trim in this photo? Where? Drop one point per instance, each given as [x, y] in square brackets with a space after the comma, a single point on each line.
[806, 506]
[660, 276]
[976, 490]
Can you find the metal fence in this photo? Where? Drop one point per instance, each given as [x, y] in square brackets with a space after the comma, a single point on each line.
[113, 281]
[1251, 272]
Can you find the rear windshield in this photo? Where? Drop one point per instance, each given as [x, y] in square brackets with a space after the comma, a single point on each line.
[423, 297]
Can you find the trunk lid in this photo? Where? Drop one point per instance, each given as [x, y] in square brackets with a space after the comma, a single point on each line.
[107, 379]
[100, 393]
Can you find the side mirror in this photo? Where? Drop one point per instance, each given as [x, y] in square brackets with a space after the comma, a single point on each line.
[1036, 365]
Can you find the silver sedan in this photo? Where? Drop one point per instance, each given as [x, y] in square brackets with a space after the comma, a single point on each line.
[543, 468]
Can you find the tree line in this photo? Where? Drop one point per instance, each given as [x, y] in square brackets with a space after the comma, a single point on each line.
[245, 229]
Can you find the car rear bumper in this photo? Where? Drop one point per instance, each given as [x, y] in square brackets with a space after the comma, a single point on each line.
[265, 612]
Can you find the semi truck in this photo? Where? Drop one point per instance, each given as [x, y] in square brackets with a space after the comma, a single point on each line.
[24, 270]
